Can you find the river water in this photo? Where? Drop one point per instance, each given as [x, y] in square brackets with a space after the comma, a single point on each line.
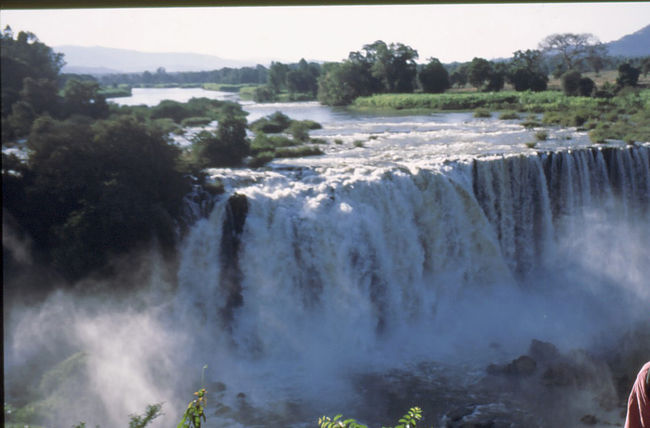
[390, 272]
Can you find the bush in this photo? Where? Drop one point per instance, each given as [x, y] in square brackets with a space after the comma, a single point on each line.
[541, 135]
[585, 87]
[297, 152]
[571, 82]
[627, 75]
[481, 112]
[433, 77]
[272, 124]
[264, 94]
[261, 159]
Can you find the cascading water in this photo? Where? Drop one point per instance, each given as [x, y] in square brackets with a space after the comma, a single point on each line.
[304, 277]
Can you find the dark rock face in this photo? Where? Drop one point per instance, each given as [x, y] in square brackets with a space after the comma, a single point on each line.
[231, 276]
[589, 420]
[522, 366]
[543, 351]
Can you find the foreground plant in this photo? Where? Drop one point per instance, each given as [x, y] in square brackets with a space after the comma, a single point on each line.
[409, 420]
[195, 411]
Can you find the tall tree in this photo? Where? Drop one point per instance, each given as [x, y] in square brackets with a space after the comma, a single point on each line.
[24, 57]
[572, 48]
[479, 72]
[526, 71]
[434, 77]
[278, 76]
[393, 65]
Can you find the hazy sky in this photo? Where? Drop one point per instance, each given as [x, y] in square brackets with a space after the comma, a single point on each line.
[448, 32]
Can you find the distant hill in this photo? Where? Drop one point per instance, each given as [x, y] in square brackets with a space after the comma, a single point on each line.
[632, 45]
[100, 60]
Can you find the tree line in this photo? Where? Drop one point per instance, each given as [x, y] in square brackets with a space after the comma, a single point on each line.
[98, 180]
[391, 68]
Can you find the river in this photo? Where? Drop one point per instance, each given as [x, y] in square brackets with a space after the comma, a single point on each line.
[391, 273]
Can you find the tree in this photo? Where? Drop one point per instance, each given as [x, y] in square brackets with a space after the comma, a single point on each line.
[343, 82]
[572, 48]
[571, 82]
[228, 145]
[82, 97]
[627, 75]
[459, 76]
[585, 87]
[434, 77]
[96, 189]
[497, 78]
[479, 72]
[278, 76]
[645, 66]
[596, 57]
[304, 78]
[526, 72]
[24, 57]
[393, 66]
[485, 75]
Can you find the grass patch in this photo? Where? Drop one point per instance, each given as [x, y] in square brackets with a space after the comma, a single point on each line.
[297, 152]
[120, 91]
[224, 87]
[541, 135]
[531, 144]
[482, 112]
[509, 115]
[357, 143]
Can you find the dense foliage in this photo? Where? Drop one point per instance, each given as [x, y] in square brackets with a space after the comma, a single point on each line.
[98, 180]
[433, 77]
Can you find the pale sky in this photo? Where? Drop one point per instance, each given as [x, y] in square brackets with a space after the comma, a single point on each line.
[329, 33]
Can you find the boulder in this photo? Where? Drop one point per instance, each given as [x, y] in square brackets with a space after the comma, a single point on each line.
[522, 366]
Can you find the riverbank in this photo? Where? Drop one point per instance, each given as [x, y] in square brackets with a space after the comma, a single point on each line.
[624, 116]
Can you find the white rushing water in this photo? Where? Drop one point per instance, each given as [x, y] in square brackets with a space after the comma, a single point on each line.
[343, 268]
[381, 275]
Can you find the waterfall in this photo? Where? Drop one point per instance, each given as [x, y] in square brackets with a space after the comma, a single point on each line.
[329, 268]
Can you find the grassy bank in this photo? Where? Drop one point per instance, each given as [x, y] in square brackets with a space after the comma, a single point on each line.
[505, 100]
[224, 87]
[120, 91]
[625, 116]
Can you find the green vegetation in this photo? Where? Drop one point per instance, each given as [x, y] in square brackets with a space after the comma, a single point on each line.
[482, 113]
[409, 420]
[115, 92]
[195, 412]
[433, 77]
[541, 135]
[141, 421]
[224, 87]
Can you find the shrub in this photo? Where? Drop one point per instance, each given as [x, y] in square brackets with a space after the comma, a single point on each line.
[273, 123]
[585, 87]
[531, 144]
[264, 94]
[434, 77]
[297, 152]
[299, 131]
[627, 75]
[541, 135]
[261, 159]
[482, 112]
[571, 82]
